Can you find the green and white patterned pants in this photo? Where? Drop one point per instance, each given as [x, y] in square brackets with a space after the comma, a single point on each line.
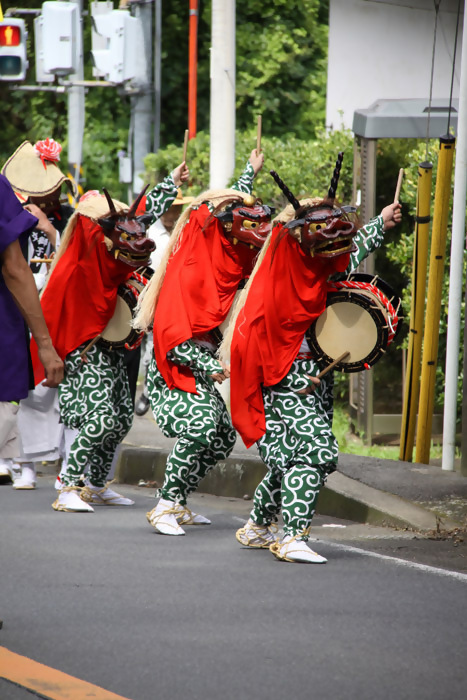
[202, 426]
[299, 449]
[94, 398]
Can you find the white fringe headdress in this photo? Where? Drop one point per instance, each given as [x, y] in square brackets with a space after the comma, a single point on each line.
[147, 301]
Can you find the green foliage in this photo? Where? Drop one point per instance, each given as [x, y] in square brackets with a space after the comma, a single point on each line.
[281, 65]
[281, 54]
[305, 166]
[351, 443]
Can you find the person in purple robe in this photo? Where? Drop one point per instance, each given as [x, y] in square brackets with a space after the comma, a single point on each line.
[19, 303]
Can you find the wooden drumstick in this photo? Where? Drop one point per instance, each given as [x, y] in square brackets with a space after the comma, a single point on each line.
[258, 135]
[185, 146]
[41, 260]
[333, 364]
[90, 345]
[399, 184]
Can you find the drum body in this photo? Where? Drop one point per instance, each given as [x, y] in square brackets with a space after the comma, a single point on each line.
[119, 333]
[362, 317]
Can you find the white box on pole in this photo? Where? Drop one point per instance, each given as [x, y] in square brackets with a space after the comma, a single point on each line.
[58, 28]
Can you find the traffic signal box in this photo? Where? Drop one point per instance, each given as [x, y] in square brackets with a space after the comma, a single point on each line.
[13, 54]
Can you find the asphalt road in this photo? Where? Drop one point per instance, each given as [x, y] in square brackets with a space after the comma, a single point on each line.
[105, 599]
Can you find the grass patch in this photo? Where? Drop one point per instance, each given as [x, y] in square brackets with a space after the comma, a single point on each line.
[352, 443]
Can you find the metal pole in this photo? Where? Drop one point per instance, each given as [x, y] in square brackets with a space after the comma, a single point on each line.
[222, 127]
[464, 402]
[142, 104]
[76, 109]
[367, 212]
[433, 308]
[457, 263]
[157, 74]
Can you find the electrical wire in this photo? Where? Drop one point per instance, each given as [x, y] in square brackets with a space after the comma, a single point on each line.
[453, 64]
[436, 4]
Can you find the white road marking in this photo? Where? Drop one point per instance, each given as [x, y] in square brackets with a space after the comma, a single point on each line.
[400, 562]
[385, 557]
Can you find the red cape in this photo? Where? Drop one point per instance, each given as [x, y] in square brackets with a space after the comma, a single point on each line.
[202, 276]
[81, 294]
[287, 294]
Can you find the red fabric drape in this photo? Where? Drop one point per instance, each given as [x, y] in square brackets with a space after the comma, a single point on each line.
[81, 295]
[288, 293]
[202, 276]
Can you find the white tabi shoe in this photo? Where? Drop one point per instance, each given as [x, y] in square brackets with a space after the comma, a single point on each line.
[103, 496]
[9, 471]
[27, 480]
[185, 516]
[291, 549]
[163, 518]
[69, 501]
[256, 536]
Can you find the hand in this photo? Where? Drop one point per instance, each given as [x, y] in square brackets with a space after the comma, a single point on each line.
[392, 216]
[53, 366]
[43, 223]
[314, 382]
[180, 174]
[219, 377]
[257, 160]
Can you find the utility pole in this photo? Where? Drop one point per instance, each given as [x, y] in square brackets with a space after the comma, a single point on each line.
[458, 243]
[76, 108]
[142, 103]
[157, 74]
[222, 161]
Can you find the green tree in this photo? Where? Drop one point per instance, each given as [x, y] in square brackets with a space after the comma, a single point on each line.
[281, 56]
[281, 72]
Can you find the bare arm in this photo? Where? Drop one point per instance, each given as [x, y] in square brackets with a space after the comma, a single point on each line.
[20, 282]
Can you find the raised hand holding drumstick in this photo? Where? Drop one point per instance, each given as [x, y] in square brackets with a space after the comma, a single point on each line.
[392, 214]
[256, 156]
[181, 172]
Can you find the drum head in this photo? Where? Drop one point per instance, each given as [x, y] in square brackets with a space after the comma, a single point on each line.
[351, 323]
[118, 331]
[118, 327]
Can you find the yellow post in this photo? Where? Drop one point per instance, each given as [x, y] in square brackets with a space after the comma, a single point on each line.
[433, 309]
[417, 311]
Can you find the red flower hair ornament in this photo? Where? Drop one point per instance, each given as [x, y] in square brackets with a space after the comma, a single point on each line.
[48, 151]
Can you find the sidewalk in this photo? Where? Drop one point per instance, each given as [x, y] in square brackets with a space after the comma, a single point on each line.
[364, 489]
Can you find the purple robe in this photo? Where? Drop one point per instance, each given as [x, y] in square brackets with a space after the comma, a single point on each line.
[15, 224]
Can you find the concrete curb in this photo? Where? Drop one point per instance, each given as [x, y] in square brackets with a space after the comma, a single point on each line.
[237, 477]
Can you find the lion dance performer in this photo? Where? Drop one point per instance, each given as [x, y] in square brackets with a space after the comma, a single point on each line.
[277, 400]
[104, 244]
[212, 249]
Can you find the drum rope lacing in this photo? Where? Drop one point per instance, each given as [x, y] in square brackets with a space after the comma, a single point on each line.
[392, 318]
